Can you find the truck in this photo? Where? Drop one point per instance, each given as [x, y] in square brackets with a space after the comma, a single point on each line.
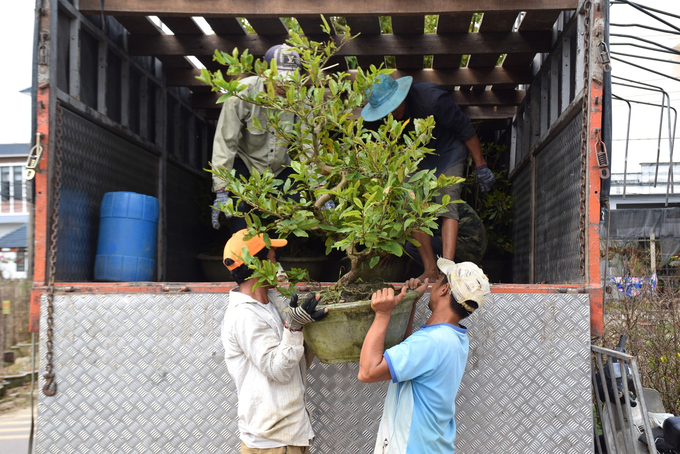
[138, 366]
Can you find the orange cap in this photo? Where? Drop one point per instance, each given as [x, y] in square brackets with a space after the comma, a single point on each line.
[234, 247]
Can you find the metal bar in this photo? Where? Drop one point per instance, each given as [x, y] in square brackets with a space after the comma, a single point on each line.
[619, 412]
[566, 73]
[532, 222]
[671, 137]
[642, 9]
[663, 101]
[625, 159]
[74, 58]
[626, 393]
[161, 139]
[646, 69]
[598, 410]
[600, 368]
[658, 145]
[670, 184]
[102, 76]
[646, 27]
[643, 405]
[641, 47]
[645, 57]
[125, 93]
[668, 49]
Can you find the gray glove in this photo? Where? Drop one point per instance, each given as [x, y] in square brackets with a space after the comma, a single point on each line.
[299, 316]
[485, 178]
[222, 197]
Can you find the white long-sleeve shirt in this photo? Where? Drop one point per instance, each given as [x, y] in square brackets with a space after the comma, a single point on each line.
[267, 364]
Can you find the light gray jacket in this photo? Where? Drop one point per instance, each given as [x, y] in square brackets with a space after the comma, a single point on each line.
[236, 135]
[267, 364]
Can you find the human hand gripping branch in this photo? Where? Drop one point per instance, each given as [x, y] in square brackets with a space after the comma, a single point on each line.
[372, 364]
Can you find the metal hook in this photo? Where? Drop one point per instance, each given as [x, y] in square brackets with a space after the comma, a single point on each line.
[33, 158]
[50, 388]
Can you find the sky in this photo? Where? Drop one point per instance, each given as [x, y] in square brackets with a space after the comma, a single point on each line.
[16, 53]
[645, 120]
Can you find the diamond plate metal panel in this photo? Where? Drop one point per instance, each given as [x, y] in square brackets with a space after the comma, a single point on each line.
[142, 373]
[94, 162]
[558, 171]
[521, 227]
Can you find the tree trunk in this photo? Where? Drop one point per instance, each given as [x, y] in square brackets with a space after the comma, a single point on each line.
[355, 264]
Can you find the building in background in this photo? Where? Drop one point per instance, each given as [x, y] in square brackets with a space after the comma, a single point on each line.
[13, 210]
[13, 204]
[13, 254]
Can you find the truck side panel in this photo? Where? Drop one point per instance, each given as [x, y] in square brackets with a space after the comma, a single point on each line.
[146, 373]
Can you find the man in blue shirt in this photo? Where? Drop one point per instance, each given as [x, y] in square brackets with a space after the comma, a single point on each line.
[453, 137]
[427, 367]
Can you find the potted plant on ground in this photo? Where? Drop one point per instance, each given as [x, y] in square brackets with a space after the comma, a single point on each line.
[371, 177]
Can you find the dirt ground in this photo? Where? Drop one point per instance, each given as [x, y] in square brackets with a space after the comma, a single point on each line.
[17, 398]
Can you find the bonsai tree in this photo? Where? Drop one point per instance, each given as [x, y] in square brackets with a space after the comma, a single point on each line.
[378, 195]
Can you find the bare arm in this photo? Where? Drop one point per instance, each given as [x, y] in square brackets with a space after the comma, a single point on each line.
[475, 149]
[372, 364]
[420, 287]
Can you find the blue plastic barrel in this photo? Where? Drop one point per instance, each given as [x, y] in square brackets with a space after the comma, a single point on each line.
[128, 226]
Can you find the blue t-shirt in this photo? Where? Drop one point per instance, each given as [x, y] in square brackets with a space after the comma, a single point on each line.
[433, 359]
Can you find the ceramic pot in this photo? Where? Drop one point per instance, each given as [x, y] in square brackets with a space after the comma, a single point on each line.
[314, 265]
[339, 336]
[213, 268]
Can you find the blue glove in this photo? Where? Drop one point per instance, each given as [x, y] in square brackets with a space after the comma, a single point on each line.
[485, 178]
[221, 197]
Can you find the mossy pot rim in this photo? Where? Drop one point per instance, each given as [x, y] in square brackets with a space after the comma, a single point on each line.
[353, 304]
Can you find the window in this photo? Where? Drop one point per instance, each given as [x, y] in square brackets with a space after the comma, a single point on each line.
[21, 259]
[4, 188]
[17, 190]
[12, 192]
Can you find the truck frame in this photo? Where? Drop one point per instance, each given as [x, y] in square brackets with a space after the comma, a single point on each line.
[138, 366]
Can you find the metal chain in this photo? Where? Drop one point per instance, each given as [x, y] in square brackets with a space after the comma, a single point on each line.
[584, 141]
[50, 387]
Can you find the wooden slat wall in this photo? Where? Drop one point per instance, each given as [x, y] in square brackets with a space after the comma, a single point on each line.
[139, 25]
[366, 25]
[451, 23]
[408, 45]
[312, 25]
[414, 25]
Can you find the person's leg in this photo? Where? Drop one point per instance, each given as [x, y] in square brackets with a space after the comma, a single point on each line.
[450, 221]
[449, 238]
[449, 228]
[427, 256]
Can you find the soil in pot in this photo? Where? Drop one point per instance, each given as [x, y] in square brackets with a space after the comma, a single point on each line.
[339, 336]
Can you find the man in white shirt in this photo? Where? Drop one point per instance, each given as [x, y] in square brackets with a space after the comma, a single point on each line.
[265, 357]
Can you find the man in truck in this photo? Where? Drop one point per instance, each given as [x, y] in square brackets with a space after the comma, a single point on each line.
[427, 367]
[453, 138]
[266, 357]
[239, 145]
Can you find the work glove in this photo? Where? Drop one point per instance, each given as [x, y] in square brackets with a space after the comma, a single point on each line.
[485, 178]
[299, 316]
[222, 197]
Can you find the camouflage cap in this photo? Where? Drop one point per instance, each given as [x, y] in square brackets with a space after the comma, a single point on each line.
[467, 282]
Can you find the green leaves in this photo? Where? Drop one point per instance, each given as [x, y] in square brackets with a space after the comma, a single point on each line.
[372, 176]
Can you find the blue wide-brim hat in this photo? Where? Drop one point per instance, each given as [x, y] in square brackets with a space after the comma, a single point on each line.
[386, 96]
